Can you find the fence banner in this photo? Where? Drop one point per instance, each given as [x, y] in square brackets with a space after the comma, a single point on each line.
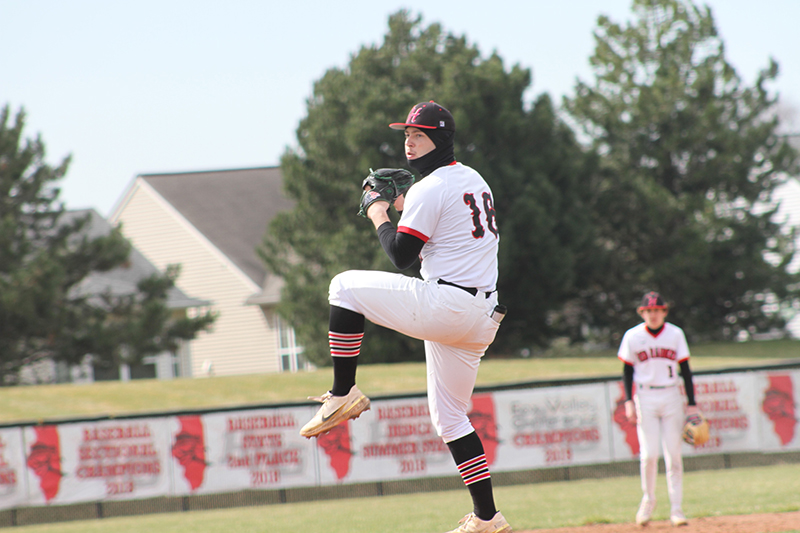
[238, 450]
[13, 492]
[554, 426]
[393, 440]
[226, 451]
[777, 396]
[728, 401]
[91, 461]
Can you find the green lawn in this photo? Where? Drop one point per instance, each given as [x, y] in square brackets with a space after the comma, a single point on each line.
[54, 402]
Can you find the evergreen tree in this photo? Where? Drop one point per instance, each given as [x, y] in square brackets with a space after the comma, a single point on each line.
[529, 158]
[44, 256]
[690, 160]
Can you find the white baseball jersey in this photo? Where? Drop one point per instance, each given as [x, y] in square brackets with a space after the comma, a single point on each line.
[452, 211]
[655, 358]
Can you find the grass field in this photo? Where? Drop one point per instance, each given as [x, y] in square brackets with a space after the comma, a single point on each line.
[55, 402]
[545, 505]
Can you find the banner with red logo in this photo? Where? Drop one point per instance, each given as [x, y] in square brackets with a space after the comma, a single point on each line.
[91, 461]
[393, 440]
[12, 469]
[728, 401]
[554, 426]
[777, 395]
[237, 450]
[262, 449]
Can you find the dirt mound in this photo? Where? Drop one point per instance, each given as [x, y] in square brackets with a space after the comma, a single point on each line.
[751, 523]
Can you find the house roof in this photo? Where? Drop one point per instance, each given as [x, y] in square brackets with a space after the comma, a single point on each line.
[231, 208]
[123, 279]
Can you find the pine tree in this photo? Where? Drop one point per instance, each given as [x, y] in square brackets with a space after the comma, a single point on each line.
[45, 255]
[529, 158]
[690, 160]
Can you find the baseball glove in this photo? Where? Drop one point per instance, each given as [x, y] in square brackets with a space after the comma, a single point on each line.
[387, 184]
[695, 430]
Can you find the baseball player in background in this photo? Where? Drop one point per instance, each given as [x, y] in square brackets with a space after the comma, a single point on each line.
[448, 222]
[653, 353]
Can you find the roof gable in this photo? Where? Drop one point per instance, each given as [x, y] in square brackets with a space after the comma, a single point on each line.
[231, 208]
[123, 279]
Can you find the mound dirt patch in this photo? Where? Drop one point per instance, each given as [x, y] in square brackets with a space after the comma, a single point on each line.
[751, 523]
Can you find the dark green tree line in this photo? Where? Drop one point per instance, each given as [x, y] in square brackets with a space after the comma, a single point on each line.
[670, 189]
[43, 258]
[690, 160]
[530, 159]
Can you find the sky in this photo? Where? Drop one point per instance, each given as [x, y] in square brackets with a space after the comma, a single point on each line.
[156, 86]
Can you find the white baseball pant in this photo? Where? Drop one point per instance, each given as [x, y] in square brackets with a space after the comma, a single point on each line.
[660, 416]
[456, 327]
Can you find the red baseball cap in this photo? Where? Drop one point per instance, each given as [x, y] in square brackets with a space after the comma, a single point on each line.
[428, 116]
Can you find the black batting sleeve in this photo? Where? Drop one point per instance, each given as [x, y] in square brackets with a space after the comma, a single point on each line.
[403, 249]
[688, 384]
[627, 380]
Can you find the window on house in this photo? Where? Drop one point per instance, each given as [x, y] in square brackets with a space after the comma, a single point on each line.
[106, 373]
[143, 371]
[291, 354]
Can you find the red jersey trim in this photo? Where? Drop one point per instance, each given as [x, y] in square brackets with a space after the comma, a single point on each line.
[415, 233]
[624, 361]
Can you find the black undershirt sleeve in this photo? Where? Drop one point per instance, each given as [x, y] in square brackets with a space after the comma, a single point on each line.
[688, 384]
[403, 249]
[627, 380]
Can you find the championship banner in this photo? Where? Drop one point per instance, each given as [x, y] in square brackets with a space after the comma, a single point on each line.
[12, 469]
[393, 440]
[554, 426]
[777, 395]
[238, 450]
[262, 448]
[93, 461]
[728, 401]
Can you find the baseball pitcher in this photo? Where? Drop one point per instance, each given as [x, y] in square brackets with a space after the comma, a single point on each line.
[448, 222]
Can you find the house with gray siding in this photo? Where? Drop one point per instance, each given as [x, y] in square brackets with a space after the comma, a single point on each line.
[119, 281]
[211, 223]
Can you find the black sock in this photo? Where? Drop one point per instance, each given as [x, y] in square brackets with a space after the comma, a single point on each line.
[345, 330]
[344, 375]
[471, 462]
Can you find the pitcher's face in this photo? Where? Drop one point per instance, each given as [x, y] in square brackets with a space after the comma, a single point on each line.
[417, 143]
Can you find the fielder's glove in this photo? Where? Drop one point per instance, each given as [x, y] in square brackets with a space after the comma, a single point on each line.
[695, 430]
[387, 184]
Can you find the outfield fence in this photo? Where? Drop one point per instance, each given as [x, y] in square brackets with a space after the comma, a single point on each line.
[254, 455]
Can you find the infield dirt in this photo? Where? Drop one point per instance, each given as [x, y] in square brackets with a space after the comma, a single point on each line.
[752, 523]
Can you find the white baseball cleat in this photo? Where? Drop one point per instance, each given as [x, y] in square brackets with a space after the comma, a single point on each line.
[676, 518]
[645, 512]
[473, 524]
[334, 411]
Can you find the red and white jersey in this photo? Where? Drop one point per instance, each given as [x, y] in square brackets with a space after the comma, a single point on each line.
[452, 211]
[655, 358]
